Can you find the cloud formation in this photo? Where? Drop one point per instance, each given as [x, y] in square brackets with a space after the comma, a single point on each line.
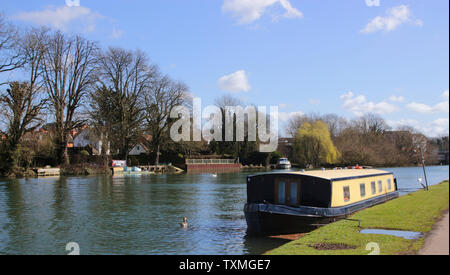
[435, 128]
[235, 82]
[359, 105]
[395, 98]
[421, 108]
[394, 17]
[62, 18]
[248, 11]
[284, 116]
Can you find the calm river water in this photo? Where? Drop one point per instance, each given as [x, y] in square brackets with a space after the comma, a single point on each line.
[139, 214]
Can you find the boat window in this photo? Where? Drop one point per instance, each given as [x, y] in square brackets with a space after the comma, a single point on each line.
[346, 193]
[363, 190]
[293, 193]
[374, 188]
[281, 192]
[389, 184]
[380, 186]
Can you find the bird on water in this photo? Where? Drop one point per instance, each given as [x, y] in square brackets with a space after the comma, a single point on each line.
[184, 224]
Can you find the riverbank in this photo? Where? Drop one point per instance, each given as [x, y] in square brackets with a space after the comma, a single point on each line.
[417, 212]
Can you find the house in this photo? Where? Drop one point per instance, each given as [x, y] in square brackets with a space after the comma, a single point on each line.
[141, 148]
[87, 138]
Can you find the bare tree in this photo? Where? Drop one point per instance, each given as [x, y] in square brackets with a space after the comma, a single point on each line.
[68, 71]
[336, 124]
[10, 58]
[22, 103]
[227, 147]
[373, 124]
[118, 102]
[163, 96]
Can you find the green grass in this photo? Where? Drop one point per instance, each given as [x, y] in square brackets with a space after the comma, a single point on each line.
[417, 212]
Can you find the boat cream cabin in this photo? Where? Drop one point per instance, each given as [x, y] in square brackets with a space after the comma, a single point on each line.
[285, 202]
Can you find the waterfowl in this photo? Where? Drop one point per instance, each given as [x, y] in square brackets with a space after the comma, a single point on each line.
[184, 224]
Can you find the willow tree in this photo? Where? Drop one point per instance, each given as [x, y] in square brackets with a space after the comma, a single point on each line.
[68, 71]
[313, 145]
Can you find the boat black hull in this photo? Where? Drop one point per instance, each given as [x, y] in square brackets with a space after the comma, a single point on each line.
[265, 224]
[268, 219]
[284, 166]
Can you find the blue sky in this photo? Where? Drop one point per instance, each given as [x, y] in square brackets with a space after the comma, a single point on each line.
[345, 57]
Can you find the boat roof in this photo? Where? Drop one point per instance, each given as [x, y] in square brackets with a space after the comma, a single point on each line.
[340, 174]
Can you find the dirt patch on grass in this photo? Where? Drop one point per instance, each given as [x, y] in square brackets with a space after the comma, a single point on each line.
[290, 237]
[332, 246]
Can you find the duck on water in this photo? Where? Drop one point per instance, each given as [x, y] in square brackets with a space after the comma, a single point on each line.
[298, 202]
[184, 224]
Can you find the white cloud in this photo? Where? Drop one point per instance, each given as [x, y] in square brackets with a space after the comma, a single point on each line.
[394, 17]
[283, 116]
[437, 128]
[282, 106]
[359, 105]
[373, 3]
[62, 18]
[445, 95]
[248, 11]
[395, 98]
[421, 108]
[403, 122]
[235, 82]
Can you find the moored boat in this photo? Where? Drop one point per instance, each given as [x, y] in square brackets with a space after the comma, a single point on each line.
[297, 202]
[284, 163]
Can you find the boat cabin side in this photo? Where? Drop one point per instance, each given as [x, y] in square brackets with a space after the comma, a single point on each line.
[289, 189]
[350, 191]
[297, 190]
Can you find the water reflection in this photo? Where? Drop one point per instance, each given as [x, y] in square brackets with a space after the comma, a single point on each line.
[401, 234]
[139, 214]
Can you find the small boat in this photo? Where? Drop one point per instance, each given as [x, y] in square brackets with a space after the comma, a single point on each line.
[284, 163]
[298, 202]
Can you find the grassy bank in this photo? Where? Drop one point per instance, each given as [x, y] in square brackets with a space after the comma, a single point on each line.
[414, 212]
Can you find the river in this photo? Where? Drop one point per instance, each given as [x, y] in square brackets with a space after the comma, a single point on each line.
[140, 215]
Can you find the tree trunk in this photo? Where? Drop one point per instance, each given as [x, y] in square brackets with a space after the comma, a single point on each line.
[157, 155]
[64, 154]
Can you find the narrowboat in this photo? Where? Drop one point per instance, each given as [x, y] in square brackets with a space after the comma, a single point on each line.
[298, 202]
[284, 163]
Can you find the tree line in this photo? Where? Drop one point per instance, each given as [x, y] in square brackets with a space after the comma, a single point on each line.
[73, 82]
[330, 140]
